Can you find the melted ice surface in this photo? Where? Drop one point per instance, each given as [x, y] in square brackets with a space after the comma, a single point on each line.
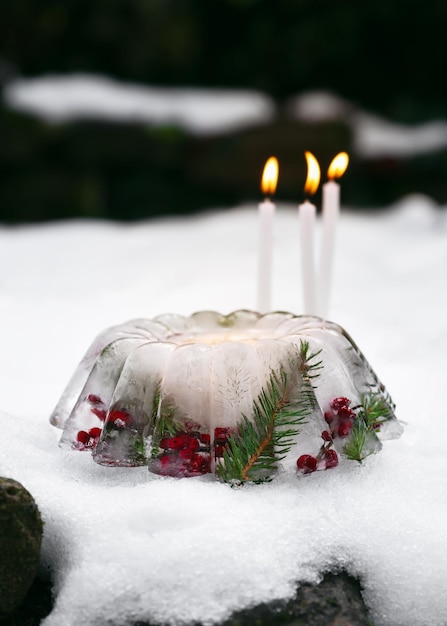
[122, 544]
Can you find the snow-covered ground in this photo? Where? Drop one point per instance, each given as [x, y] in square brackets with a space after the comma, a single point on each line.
[123, 544]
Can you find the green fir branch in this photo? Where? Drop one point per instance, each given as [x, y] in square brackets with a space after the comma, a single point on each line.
[373, 411]
[310, 370]
[167, 425]
[156, 403]
[356, 444]
[253, 453]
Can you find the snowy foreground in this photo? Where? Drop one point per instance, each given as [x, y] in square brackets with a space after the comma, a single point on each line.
[125, 545]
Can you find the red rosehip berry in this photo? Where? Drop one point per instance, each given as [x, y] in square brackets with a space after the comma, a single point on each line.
[118, 418]
[345, 413]
[218, 431]
[200, 464]
[83, 437]
[339, 403]
[194, 444]
[330, 459]
[93, 399]
[221, 435]
[205, 439]
[344, 429]
[186, 453]
[189, 442]
[94, 432]
[175, 443]
[165, 460]
[326, 435]
[307, 463]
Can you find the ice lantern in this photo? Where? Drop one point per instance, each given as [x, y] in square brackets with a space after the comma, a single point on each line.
[239, 395]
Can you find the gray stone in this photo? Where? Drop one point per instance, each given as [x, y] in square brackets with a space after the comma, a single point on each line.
[20, 540]
[336, 601]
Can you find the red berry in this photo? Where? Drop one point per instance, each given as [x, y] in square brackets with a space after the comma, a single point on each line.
[339, 403]
[83, 437]
[93, 399]
[200, 464]
[175, 443]
[165, 459]
[330, 458]
[94, 432]
[307, 463]
[344, 429]
[205, 439]
[326, 435]
[119, 418]
[186, 453]
[186, 440]
[100, 413]
[221, 434]
[345, 412]
[194, 444]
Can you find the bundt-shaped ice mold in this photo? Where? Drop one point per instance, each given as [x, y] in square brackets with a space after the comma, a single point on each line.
[238, 395]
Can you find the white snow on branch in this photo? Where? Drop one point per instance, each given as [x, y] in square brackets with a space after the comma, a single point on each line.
[202, 111]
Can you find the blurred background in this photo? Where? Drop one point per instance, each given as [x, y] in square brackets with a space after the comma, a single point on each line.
[129, 109]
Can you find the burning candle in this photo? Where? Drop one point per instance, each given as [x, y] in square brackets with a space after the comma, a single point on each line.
[266, 217]
[307, 217]
[330, 211]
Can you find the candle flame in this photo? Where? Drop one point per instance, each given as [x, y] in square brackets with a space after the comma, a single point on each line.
[338, 165]
[313, 174]
[270, 176]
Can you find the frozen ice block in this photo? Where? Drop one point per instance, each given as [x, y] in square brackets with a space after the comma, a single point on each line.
[240, 395]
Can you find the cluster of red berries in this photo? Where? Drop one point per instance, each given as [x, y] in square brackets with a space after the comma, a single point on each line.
[188, 453]
[340, 419]
[184, 454]
[324, 460]
[88, 440]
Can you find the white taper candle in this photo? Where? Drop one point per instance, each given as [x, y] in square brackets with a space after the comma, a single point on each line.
[330, 212]
[307, 218]
[266, 212]
[266, 221]
[329, 219]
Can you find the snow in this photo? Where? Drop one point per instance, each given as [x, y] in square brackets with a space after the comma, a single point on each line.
[122, 544]
[372, 136]
[63, 98]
